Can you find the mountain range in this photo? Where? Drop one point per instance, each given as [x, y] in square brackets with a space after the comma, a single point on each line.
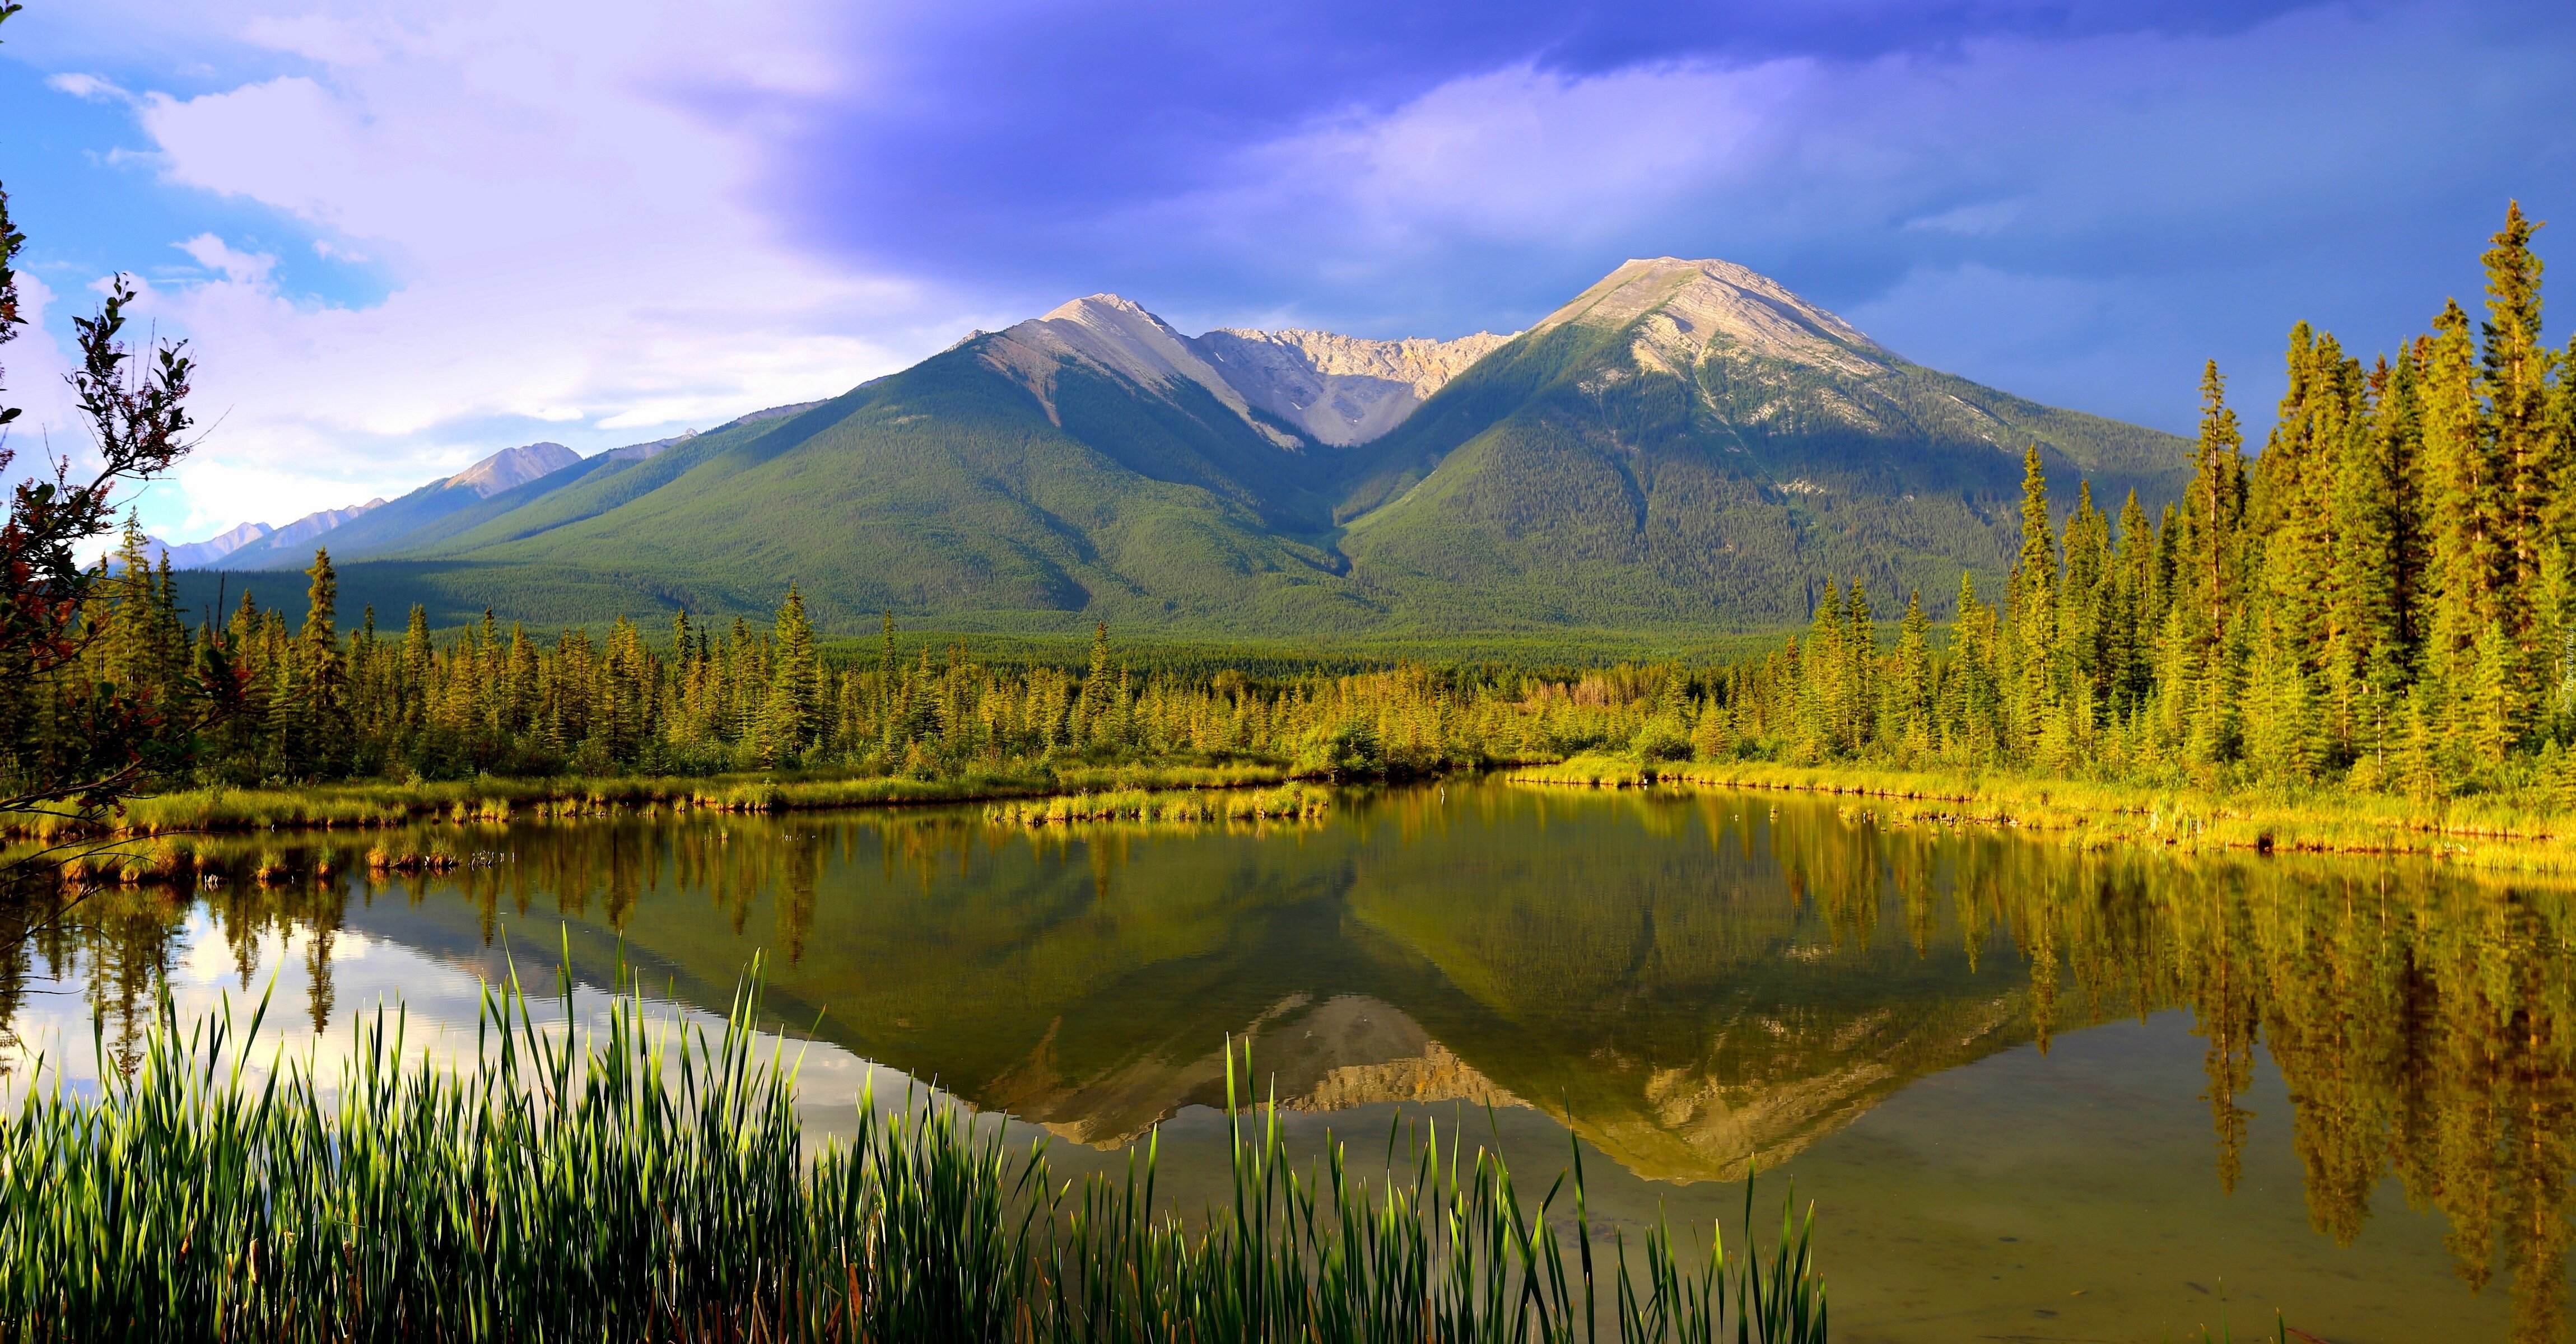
[1685, 445]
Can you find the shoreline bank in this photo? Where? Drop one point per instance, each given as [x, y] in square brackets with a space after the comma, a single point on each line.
[2482, 832]
[2474, 832]
[377, 805]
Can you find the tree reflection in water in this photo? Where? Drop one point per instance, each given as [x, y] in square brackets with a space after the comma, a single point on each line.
[1696, 983]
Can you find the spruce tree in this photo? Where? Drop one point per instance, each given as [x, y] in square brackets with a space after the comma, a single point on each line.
[1976, 651]
[1911, 692]
[2364, 624]
[2290, 531]
[2396, 421]
[2031, 612]
[792, 714]
[1859, 688]
[1820, 709]
[2463, 511]
[323, 672]
[2214, 507]
[2513, 374]
[2209, 583]
[2086, 602]
[2137, 607]
[1095, 688]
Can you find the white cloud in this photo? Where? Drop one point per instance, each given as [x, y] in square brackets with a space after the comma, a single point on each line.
[88, 87]
[566, 241]
[246, 268]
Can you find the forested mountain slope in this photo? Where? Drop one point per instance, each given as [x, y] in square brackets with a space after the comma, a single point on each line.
[1688, 441]
[1686, 445]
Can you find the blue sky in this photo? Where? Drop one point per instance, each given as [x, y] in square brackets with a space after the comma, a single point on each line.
[404, 236]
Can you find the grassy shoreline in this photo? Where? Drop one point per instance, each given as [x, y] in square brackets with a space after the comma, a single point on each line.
[2484, 832]
[381, 804]
[2511, 833]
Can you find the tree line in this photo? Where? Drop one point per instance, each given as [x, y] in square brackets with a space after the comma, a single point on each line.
[321, 703]
[2384, 597]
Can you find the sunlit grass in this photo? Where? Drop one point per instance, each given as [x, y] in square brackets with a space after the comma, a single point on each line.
[386, 803]
[2488, 831]
[1291, 802]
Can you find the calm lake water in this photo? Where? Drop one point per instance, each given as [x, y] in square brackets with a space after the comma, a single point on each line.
[2034, 1094]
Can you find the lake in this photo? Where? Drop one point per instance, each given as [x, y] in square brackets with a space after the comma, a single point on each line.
[2033, 1092]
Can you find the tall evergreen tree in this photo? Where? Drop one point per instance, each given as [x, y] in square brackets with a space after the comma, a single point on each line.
[2214, 506]
[2085, 606]
[2031, 612]
[322, 673]
[1911, 688]
[2138, 606]
[1859, 690]
[792, 717]
[2462, 508]
[2513, 378]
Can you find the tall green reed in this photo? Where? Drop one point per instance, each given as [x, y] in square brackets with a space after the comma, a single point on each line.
[630, 1181]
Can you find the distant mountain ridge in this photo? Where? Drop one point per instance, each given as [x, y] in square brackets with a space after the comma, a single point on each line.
[246, 536]
[1685, 445]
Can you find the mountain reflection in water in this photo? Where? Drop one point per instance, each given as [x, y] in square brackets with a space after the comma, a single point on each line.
[1697, 984]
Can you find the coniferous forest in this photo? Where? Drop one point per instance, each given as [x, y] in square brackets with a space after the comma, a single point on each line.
[2383, 597]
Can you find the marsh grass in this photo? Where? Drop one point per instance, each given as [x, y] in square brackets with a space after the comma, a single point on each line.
[1297, 802]
[380, 804]
[2499, 832]
[644, 1182]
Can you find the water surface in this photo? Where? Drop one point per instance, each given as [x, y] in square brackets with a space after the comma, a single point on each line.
[2034, 1093]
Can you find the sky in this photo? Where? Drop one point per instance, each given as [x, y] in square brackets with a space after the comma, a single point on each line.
[400, 237]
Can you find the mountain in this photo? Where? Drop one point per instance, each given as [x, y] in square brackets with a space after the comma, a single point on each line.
[512, 467]
[1687, 445]
[244, 537]
[1689, 441]
[203, 554]
[313, 525]
[413, 514]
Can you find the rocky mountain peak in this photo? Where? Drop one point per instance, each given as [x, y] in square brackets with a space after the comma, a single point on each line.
[1692, 309]
[513, 467]
[1112, 333]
